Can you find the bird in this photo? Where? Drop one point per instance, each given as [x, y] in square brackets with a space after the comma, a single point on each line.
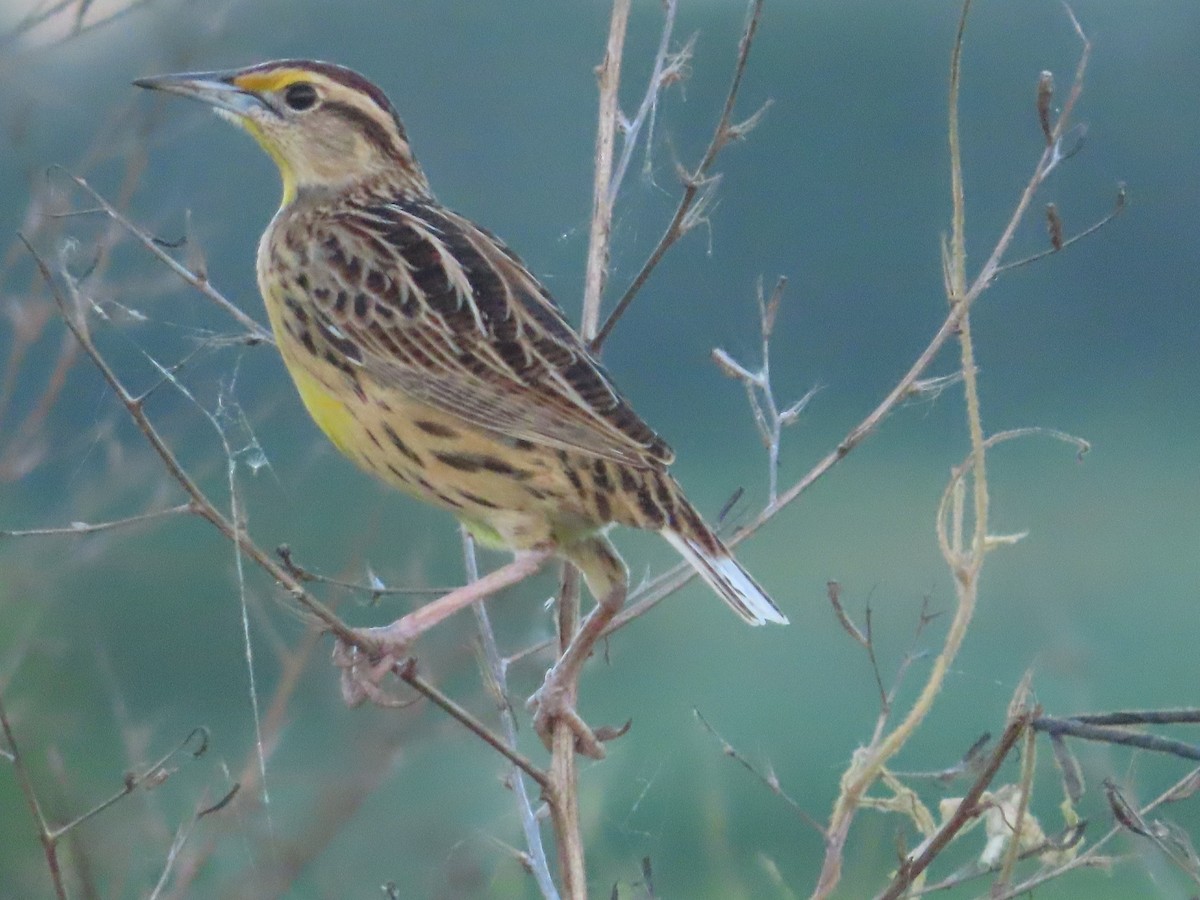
[430, 355]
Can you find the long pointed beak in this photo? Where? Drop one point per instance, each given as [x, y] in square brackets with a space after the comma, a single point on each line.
[216, 89]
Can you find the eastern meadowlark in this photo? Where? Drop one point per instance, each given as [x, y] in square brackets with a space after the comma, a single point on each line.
[430, 355]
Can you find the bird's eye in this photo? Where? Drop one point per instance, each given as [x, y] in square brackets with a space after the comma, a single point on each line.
[300, 96]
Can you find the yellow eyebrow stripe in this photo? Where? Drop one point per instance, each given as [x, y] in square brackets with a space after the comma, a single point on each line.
[260, 82]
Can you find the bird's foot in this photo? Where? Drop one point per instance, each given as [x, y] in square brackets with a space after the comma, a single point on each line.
[365, 663]
[554, 703]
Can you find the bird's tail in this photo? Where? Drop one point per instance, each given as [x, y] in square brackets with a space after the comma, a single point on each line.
[726, 576]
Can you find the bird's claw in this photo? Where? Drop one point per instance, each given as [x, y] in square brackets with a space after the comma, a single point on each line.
[363, 672]
[553, 703]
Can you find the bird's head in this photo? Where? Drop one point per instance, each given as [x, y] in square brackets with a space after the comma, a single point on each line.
[324, 125]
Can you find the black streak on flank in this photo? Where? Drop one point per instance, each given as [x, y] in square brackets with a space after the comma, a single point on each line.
[460, 461]
[437, 429]
[375, 281]
[628, 483]
[500, 467]
[603, 507]
[569, 470]
[294, 307]
[649, 509]
[477, 500]
[600, 476]
[403, 476]
[473, 462]
[399, 444]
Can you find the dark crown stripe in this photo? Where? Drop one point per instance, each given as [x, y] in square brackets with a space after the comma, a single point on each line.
[365, 125]
[342, 75]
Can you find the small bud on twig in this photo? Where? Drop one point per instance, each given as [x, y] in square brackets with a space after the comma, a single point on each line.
[1071, 772]
[770, 310]
[1045, 93]
[730, 504]
[1122, 811]
[833, 591]
[1054, 226]
[730, 367]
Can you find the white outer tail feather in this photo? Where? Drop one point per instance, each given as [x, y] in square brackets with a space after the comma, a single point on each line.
[733, 584]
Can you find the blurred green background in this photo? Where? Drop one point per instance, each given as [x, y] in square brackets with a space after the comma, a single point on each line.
[113, 647]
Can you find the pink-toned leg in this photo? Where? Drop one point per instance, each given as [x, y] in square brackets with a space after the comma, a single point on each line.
[554, 701]
[369, 659]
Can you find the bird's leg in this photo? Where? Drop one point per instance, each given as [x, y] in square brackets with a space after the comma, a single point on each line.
[608, 581]
[367, 659]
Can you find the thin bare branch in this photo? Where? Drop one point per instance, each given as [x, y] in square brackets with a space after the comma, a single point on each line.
[609, 75]
[196, 280]
[203, 506]
[1064, 243]
[769, 779]
[496, 678]
[769, 419]
[374, 586]
[667, 68]
[45, 834]
[967, 809]
[694, 182]
[1092, 856]
[833, 591]
[407, 672]
[77, 528]
[1184, 716]
[1119, 736]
